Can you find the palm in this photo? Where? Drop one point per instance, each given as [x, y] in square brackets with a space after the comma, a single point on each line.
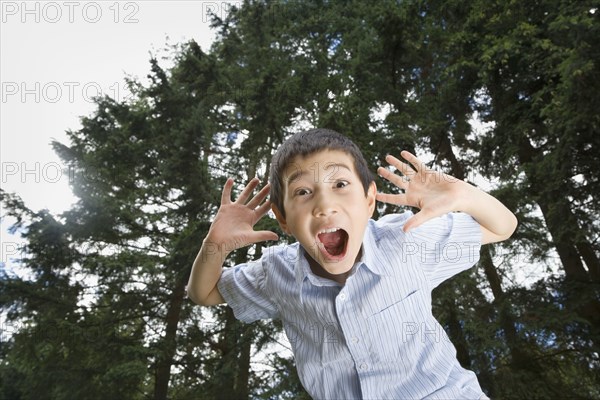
[233, 226]
[430, 191]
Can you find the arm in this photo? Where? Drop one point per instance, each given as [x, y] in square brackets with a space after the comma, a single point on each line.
[435, 194]
[231, 229]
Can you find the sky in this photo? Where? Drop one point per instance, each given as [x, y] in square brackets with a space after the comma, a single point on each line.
[54, 58]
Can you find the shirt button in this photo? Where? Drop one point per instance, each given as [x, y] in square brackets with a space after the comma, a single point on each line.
[354, 339]
[343, 296]
[364, 366]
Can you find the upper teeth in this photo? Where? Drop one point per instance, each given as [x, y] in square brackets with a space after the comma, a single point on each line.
[330, 230]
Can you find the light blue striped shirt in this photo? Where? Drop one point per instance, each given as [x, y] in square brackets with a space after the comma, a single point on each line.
[374, 337]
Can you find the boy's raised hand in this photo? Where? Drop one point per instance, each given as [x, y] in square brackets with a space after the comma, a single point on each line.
[434, 193]
[233, 226]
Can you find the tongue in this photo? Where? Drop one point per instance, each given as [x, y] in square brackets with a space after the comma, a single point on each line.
[333, 242]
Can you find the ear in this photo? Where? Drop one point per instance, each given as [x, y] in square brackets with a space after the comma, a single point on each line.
[372, 197]
[280, 218]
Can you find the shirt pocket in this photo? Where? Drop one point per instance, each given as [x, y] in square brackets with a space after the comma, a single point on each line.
[396, 328]
[387, 293]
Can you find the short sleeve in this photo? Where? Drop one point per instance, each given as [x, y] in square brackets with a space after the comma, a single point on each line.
[244, 289]
[447, 245]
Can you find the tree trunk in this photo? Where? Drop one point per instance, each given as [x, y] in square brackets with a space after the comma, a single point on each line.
[591, 260]
[169, 343]
[518, 356]
[243, 373]
[457, 334]
[562, 225]
[234, 371]
[225, 388]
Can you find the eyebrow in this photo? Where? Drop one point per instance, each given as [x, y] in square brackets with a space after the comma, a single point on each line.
[299, 173]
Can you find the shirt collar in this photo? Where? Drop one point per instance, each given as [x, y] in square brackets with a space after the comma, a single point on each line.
[303, 271]
[370, 250]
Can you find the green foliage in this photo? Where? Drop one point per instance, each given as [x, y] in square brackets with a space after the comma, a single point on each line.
[97, 308]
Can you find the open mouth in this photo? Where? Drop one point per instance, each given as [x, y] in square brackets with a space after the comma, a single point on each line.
[333, 242]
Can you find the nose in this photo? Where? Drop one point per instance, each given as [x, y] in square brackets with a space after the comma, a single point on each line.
[324, 205]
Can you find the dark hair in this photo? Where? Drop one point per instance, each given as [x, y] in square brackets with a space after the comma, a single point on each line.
[306, 143]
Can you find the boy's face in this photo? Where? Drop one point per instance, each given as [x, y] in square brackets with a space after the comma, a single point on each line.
[326, 209]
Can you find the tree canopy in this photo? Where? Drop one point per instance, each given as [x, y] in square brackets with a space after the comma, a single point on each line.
[503, 94]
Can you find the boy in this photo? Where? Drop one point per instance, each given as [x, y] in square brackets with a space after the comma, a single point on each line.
[354, 294]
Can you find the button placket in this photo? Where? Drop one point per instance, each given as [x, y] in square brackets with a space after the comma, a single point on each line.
[352, 327]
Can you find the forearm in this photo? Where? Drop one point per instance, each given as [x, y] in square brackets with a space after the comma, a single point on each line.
[436, 193]
[231, 228]
[206, 271]
[497, 222]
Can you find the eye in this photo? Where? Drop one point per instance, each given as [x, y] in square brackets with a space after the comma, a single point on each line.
[341, 184]
[301, 192]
